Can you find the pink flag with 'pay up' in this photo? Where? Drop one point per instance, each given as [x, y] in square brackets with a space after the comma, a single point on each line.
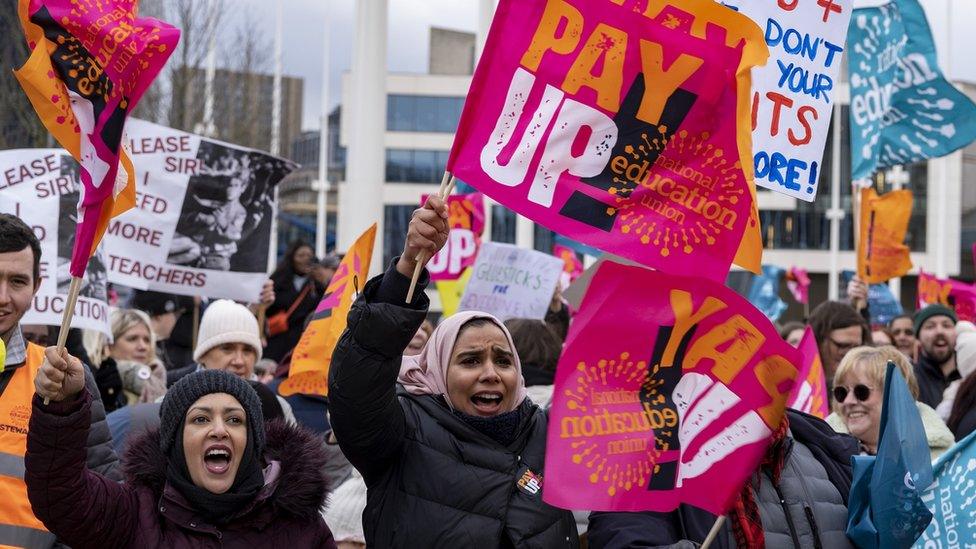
[466, 217]
[798, 281]
[91, 61]
[572, 266]
[809, 395]
[954, 294]
[668, 392]
[622, 125]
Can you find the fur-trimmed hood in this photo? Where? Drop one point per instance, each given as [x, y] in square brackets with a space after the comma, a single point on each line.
[301, 488]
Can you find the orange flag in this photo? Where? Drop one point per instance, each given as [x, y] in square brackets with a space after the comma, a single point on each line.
[310, 362]
[90, 63]
[882, 253]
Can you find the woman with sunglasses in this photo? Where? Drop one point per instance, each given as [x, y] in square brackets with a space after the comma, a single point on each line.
[859, 391]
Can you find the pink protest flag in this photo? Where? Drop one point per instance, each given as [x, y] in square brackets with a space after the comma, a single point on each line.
[809, 395]
[669, 394]
[466, 216]
[572, 266]
[954, 294]
[91, 61]
[798, 282]
[622, 125]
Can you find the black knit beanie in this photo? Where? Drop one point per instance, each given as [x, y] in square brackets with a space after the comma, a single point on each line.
[930, 311]
[190, 388]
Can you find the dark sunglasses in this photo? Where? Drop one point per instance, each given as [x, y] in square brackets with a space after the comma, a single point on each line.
[861, 393]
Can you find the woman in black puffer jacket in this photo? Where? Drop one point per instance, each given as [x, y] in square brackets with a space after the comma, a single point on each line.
[451, 450]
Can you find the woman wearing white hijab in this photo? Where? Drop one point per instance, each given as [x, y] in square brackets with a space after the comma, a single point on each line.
[451, 450]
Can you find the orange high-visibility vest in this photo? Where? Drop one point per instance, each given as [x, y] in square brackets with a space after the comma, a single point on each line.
[18, 525]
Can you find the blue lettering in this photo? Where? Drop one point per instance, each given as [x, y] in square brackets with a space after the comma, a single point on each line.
[799, 43]
[831, 50]
[777, 168]
[798, 80]
[771, 40]
[812, 178]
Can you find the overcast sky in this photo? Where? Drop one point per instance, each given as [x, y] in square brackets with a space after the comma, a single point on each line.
[410, 21]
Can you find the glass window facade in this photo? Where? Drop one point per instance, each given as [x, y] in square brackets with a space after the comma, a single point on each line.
[420, 113]
[543, 239]
[396, 218]
[808, 228]
[502, 224]
[415, 166]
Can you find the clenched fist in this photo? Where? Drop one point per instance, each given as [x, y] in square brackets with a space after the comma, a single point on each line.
[60, 377]
[427, 233]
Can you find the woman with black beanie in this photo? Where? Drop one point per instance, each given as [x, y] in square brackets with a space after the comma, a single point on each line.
[213, 474]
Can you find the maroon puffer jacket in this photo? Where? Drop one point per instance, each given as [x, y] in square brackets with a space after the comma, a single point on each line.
[85, 509]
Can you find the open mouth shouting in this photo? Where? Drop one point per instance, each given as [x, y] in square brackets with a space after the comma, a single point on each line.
[217, 459]
[488, 403]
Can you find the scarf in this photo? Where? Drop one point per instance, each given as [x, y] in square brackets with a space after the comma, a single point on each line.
[744, 516]
[426, 373]
[217, 509]
[503, 428]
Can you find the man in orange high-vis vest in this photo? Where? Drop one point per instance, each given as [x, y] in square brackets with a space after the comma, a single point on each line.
[20, 255]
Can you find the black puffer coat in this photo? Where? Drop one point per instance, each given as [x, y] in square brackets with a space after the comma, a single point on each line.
[433, 481]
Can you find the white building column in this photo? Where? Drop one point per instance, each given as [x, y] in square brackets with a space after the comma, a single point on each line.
[944, 214]
[835, 214]
[361, 196]
[321, 187]
[524, 232]
[486, 11]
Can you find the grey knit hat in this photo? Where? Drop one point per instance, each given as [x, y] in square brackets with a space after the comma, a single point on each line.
[191, 387]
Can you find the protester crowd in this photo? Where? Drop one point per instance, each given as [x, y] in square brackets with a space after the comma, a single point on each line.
[167, 433]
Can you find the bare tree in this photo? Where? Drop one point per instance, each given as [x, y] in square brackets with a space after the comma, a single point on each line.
[196, 20]
[19, 124]
[250, 53]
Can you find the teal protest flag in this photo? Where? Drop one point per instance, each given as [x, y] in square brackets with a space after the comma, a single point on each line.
[902, 108]
[885, 508]
[764, 292]
[952, 498]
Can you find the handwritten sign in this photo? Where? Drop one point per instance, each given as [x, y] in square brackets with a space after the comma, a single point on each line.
[667, 393]
[618, 124]
[467, 221]
[793, 94]
[511, 282]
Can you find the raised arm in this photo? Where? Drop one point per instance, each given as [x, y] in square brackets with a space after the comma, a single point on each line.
[366, 416]
[81, 507]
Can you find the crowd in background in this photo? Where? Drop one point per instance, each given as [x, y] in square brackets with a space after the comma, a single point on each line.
[394, 416]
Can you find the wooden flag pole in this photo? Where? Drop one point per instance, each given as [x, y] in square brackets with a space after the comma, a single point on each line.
[447, 186]
[713, 533]
[69, 311]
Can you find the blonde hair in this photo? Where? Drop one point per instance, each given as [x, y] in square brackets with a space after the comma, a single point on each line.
[123, 320]
[873, 363]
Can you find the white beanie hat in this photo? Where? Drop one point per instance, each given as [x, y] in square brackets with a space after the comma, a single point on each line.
[227, 322]
[965, 348]
[344, 515]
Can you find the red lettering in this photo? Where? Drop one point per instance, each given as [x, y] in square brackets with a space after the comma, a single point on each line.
[778, 100]
[807, 130]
